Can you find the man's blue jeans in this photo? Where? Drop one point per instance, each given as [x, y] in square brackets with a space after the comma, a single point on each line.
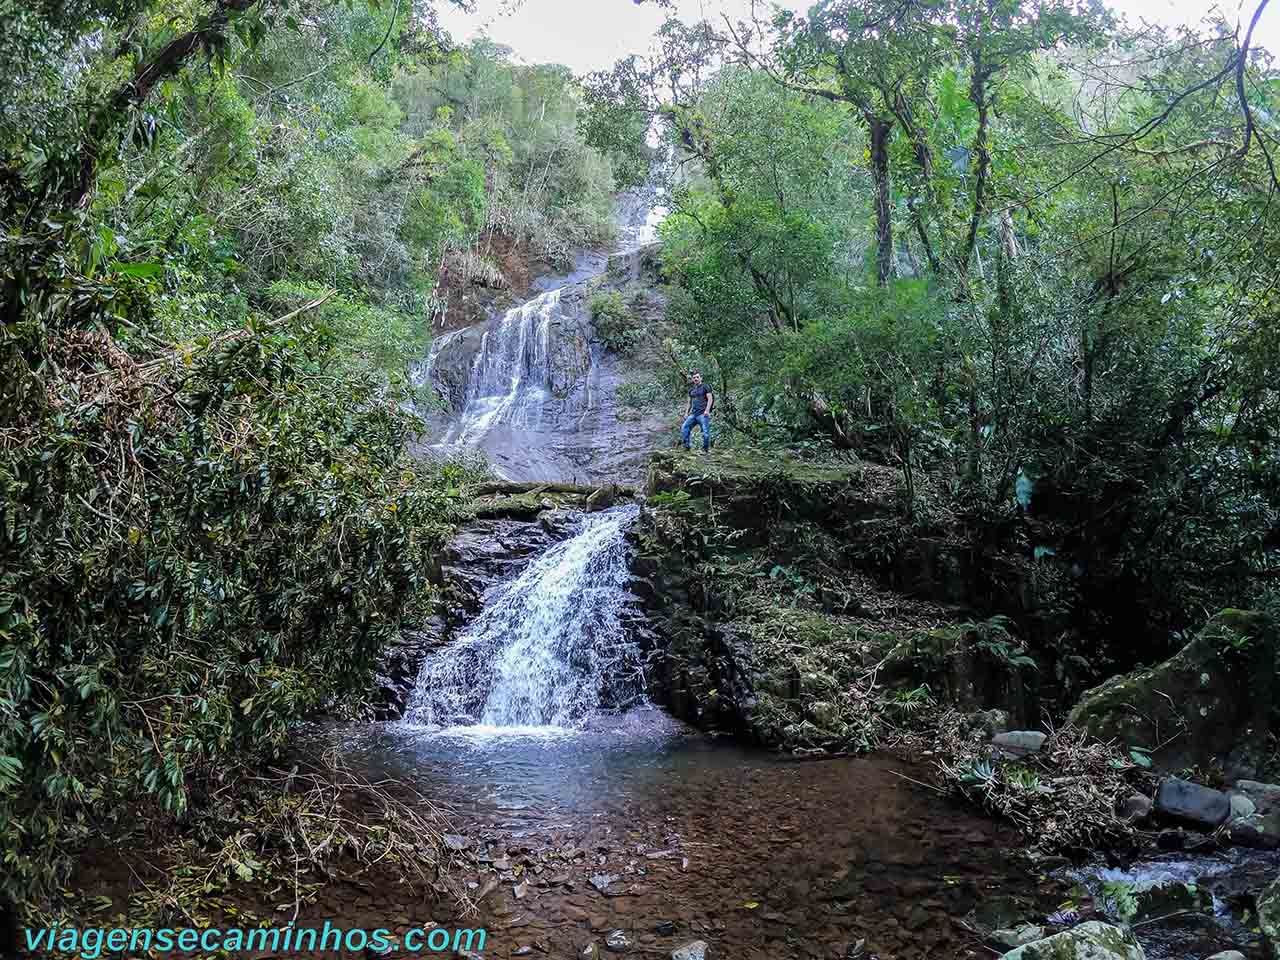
[704, 423]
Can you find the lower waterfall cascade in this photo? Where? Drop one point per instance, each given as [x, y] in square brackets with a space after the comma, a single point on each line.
[549, 648]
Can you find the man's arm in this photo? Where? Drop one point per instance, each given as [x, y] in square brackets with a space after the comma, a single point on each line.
[688, 406]
[711, 400]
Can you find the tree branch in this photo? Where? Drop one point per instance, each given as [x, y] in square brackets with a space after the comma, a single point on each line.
[167, 63]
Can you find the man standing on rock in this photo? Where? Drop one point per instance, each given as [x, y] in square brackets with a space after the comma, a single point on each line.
[701, 400]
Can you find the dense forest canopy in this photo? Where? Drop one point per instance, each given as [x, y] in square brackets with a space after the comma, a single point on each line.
[226, 228]
[1017, 250]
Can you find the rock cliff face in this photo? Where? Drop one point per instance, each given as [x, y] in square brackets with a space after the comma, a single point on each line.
[537, 390]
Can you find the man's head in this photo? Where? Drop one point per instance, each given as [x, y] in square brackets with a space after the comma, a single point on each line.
[696, 376]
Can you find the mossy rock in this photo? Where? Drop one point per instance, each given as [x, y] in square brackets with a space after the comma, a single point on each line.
[1208, 704]
[1089, 941]
[1269, 918]
[756, 490]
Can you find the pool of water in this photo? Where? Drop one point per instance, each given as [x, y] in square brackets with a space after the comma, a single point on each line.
[638, 823]
[607, 766]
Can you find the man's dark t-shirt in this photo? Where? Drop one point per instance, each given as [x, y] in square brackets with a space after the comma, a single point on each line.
[698, 399]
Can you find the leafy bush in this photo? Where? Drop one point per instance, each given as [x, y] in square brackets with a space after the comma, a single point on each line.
[613, 322]
[642, 393]
[196, 548]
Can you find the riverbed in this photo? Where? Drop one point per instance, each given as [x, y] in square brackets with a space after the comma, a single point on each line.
[638, 824]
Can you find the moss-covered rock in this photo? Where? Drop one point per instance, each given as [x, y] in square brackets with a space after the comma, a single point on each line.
[1269, 918]
[1089, 941]
[770, 583]
[1208, 704]
[755, 491]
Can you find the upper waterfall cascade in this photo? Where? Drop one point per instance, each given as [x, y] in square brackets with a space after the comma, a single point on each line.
[526, 387]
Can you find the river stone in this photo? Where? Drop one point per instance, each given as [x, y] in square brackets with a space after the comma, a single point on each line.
[1089, 941]
[1018, 743]
[617, 941]
[1019, 936]
[1259, 830]
[601, 881]
[1269, 918]
[1192, 803]
[1227, 955]
[1242, 806]
[1218, 706]
[456, 842]
[697, 950]
[1266, 796]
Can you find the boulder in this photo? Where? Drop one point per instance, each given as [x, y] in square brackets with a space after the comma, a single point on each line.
[1258, 830]
[1265, 796]
[697, 950]
[603, 498]
[1089, 941]
[1192, 803]
[1018, 743]
[1208, 704]
[1269, 918]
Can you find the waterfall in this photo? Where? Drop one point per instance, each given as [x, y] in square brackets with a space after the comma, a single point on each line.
[510, 375]
[549, 648]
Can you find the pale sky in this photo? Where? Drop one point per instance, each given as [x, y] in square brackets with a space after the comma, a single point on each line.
[592, 34]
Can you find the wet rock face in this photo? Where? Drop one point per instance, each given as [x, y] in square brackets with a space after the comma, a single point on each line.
[538, 391]
[1209, 703]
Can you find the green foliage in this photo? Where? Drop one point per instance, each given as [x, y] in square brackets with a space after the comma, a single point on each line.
[614, 324]
[1118, 899]
[198, 548]
[985, 247]
[643, 394]
[994, 639]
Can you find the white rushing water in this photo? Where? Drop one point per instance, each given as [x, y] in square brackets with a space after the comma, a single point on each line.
[510, 376]
[548, 650]
[509, 385]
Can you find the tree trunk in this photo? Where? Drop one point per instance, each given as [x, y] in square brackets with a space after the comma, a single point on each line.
[978, 94]
[880, 130]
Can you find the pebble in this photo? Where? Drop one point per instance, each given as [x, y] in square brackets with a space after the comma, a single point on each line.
[617, 941]
[601, 881]
[696, 950]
